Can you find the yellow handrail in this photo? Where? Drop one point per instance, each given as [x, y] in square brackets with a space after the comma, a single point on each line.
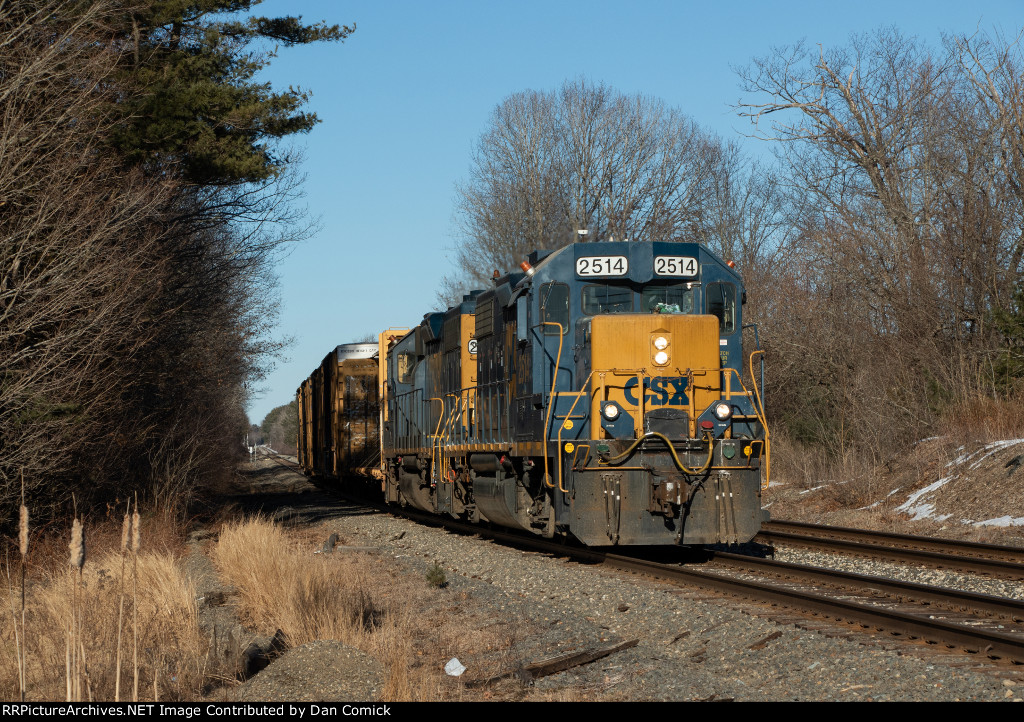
[579, 395]
[433, 461]
[551, 397]
[764, 422]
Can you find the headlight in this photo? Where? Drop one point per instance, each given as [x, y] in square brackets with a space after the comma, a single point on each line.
[611, 412]
[661, 358]
[723, 411]
[661, 343]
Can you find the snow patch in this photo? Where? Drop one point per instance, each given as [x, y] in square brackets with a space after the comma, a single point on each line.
[872, 506]
[923, 510]
[992, 448]
[999, 521]
[813, 488]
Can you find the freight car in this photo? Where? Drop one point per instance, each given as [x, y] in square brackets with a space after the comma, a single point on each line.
[601, 393]
[339, 418]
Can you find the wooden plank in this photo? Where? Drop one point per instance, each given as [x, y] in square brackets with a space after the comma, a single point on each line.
[554, 665]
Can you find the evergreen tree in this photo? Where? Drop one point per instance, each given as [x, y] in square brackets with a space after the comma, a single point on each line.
[199, 109]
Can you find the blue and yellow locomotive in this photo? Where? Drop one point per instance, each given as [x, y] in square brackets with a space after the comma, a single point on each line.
[602, 392]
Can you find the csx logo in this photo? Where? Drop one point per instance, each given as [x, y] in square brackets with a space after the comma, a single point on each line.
[659, 391]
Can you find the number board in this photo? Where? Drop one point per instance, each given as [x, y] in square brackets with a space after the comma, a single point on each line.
[602, 266]
[680, 266]
[472, 346]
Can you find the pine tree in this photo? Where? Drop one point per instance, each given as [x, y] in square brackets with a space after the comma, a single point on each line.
[199, 109]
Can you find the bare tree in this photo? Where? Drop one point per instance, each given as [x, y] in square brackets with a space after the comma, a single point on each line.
[80, 258]
[905, 242]
[134, 307]
[582, 157]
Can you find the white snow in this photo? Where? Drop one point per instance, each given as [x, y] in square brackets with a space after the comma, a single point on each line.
[1000, 521]
[921, 504]
[813, 488]
[922, 509]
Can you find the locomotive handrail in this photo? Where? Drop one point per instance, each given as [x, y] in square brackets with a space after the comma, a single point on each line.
[640, 373]
[443, 438]
[579, 395]
[547, 421]
[434, 439]
[764, 422]
[755, 396]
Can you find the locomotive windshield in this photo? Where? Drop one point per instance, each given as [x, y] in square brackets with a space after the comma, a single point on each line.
[619, 298]
[607, 299]
[679, 294]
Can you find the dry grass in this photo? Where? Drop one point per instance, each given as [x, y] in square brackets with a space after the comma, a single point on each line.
[412, 627]
[172, 649]
[982, 420]
[287, 587]
[323, 596]
[860, 491]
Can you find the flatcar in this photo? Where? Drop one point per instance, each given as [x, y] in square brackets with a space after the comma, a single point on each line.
[601, 392]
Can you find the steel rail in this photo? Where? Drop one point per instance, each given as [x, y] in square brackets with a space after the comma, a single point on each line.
[1010, 609]
[993, 645]
[995, 567]
[925, 543]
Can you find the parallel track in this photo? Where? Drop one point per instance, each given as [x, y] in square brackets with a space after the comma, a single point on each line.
[988, 559]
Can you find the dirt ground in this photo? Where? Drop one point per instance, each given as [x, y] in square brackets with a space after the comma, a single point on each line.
[936, 488]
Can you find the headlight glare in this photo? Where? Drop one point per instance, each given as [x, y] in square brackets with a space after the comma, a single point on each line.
[722, 411]
[661, 358]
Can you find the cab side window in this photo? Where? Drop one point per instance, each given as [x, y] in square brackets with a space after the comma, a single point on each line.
[406, 364]
[554, 307]
[720, 299]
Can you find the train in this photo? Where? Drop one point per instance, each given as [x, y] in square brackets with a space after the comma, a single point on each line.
[606, 392]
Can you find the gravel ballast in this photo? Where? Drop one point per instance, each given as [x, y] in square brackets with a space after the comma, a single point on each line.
[692, 646]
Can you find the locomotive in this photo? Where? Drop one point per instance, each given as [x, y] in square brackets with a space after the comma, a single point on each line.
[600, 393]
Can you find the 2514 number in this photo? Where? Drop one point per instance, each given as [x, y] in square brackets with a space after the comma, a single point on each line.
[602, 266]
[679, 266]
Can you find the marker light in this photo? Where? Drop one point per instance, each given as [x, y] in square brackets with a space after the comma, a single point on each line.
[661, 343]
[723, 411]
[661, 358]
[611, 412]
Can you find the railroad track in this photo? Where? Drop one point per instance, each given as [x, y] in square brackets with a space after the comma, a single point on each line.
[972, 557]
[982, 626]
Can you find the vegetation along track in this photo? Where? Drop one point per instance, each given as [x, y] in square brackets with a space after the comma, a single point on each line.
[988, 559]
[983, 626]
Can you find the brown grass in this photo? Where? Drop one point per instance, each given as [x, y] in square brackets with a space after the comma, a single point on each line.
[287, 587]
[396, 615]
[173, 648]
[982, 420]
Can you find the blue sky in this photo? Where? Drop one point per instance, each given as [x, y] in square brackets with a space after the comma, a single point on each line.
[405, 98]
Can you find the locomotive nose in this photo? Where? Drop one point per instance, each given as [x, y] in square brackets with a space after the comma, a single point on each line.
[657, 371]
